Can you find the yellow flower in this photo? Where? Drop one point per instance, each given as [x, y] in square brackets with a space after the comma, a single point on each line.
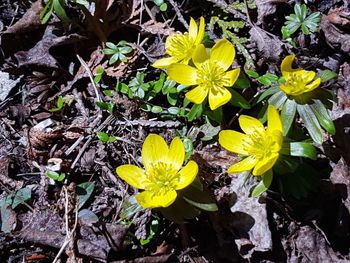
[180, 46]
[210, 75]
[298, 81]
[260, 145]
[162, 175]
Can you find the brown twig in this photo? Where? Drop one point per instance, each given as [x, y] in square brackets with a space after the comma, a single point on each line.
[178, 13]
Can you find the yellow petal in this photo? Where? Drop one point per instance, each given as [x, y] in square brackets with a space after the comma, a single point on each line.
[265, 164]
[176, 154]
[287, 89]
[313, 85]
[223, 53]
[193, 30]
[199, 55]
[201, 30]
[154, 149]
[251, 125]
[232, 76]
[287, 62]
[197, 95]
[187, 175]
[308, 76]
[132, 175]
[244, 165]
[183, 74]
[164, 62]
[233, 141]
[218, 97]
[273, 119]
[148, 199]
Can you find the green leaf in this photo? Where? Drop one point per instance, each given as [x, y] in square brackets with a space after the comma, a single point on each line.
[59, 103]
[211, 207]
[21, 196]
[251, 73]
[129, 208]
[172, 98]
[196, 111]
[173, 110]
[327, 75]
[215, 115]
[163, 7]
[58, 6]
[323, 117]
[55, 175]
[111, 46]
[156, 109]
[242, 82]
[263, 185]
[113, 58]
[267, 79]
[102, 136]
[46, 13]
[99, 73]
[278, 99]
[84, 192]
[153, 230]
[158, 2]
[105, 106]
[267, 93]
[288, 112]
[303, 149]
[238, 100]
[108, 92]
[310, 122]
[188, 147]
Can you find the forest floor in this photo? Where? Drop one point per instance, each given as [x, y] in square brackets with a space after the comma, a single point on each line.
[70, 114]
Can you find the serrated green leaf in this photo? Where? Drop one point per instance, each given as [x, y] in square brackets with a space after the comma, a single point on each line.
[322, 116]
[310, 122]
[263, 185]
[84, 192]
[288, 112]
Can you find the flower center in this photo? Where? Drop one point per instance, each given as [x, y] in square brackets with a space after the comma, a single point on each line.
[296, 83]
[162, 177]
[260, 144]
[179, 46]
[212, 76]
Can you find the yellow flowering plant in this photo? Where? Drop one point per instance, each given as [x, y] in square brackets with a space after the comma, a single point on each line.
[210, 74]
[261, 146]
[163, 177]
[180, 46]
[300, 92]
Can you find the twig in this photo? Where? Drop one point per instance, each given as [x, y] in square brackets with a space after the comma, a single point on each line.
[69, 233]
[82, 62]
[178, 13]
[223, 5]
[140, 22]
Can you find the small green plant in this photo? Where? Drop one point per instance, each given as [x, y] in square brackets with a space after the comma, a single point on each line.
[54, 6]
[104, 137]
[161, 4]
[59, 104]
[57, 176]
[98, 74]
[308, 24]
[118, 52]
